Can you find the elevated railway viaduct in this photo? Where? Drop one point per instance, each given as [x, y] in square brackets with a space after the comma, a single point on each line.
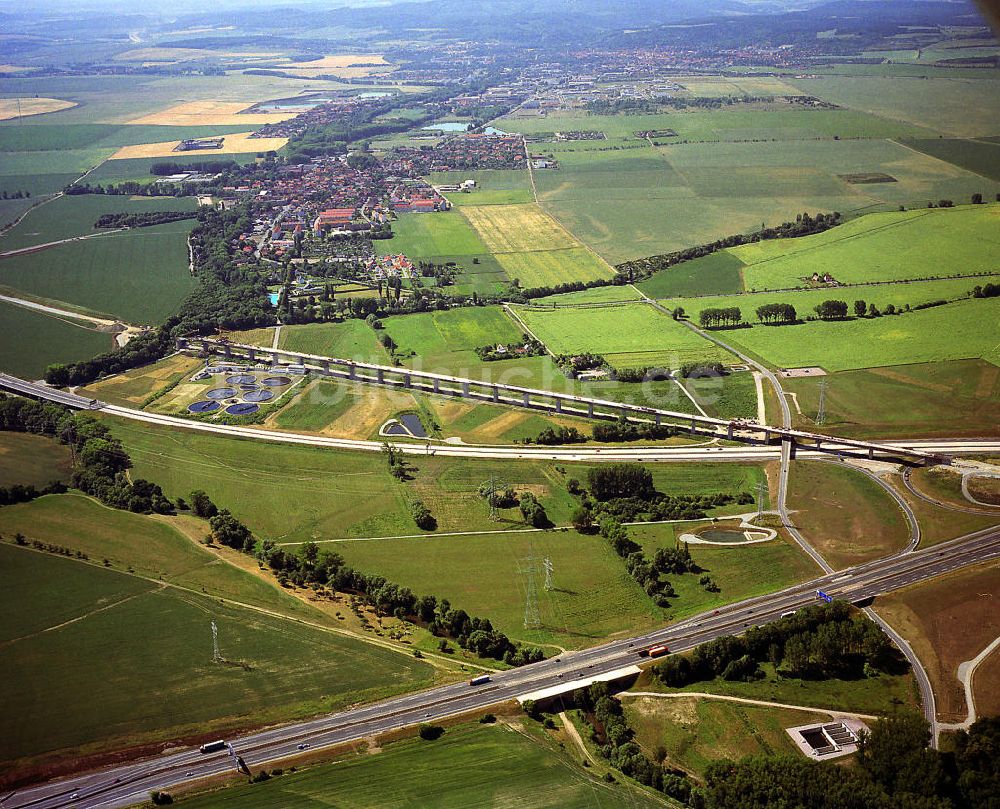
[550, 401]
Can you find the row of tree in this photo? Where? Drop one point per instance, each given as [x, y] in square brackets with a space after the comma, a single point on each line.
[100, 461]
[777, 314]
[804, 225]
[723, 317]
[142, 219]
[311, 568]
[821, 641]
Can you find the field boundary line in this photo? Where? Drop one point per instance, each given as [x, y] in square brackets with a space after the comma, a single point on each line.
[508, 308]
[942, 160]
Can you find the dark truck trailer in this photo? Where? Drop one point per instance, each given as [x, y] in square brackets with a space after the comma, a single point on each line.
[212, 747]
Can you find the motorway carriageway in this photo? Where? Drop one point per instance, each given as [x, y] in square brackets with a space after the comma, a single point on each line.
[128, 784]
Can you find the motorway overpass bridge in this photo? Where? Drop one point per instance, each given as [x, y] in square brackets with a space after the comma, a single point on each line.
[551, 401]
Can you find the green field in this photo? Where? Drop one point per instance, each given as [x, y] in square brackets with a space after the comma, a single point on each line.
[448, 339]
[978, 156]
[139, 275]
[934, 399]
[642, 201]
[440, 234]
[716, 273]
[958, 103]
[493, 187]
[69, 216]
[874, 695]
[732, 124]
[696, 732]
[32, 460]
[847, 516]
[353, 339]
[33, 340]
[138, 168]
[58, 137]
[963, 330]
[899, 295]
[728, 397]
[740, 572]
[594, 596]
[99, 632]
[880, 247]
[613, 293]
[300, 493]
[445, 238]
[499, 766]
[628, 336]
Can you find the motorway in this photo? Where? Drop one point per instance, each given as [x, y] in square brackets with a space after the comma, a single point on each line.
[131, 783]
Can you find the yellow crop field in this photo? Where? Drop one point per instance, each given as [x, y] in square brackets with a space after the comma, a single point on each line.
[517, 228]
[10, 108]
[210, 113]
[543, 268]
[345, 66]
[239, 143]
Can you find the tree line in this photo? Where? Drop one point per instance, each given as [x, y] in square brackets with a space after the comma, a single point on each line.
[820, 641]
[314, 569]
[143, 219]
[100, 461]
[804, 225]
[227, 296]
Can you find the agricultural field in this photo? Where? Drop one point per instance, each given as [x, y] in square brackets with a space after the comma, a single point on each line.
[445, 341]
[696, 732]
[493, 187]
[33, 340]
[948, 621]
[517, 228]
[523, 769]
[593, 598]
[644, 201]
[921, 399]
[423, 236]
[958, 105]
[540, 268]
[73, 620]
[69, 216]
[236, 143]
[847, 517]
[32, 460]
[16, 108]
[211, 113]
[978, 156]
[608, 294]
[352, 339]
[627, 336]
[718, 273]
[880, 247]
[532, 246]
[963, 330]
[899, 295]
[444, 238]
[140, 275]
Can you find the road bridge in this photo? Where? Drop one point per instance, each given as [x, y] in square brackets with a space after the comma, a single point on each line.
[551, 401]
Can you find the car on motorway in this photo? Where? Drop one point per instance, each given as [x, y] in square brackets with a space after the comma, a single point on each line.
[302, 746]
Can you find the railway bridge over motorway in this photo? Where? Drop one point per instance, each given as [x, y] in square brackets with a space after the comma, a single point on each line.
[536, 399]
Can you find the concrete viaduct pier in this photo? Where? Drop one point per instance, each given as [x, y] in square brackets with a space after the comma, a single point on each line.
[550, 401]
